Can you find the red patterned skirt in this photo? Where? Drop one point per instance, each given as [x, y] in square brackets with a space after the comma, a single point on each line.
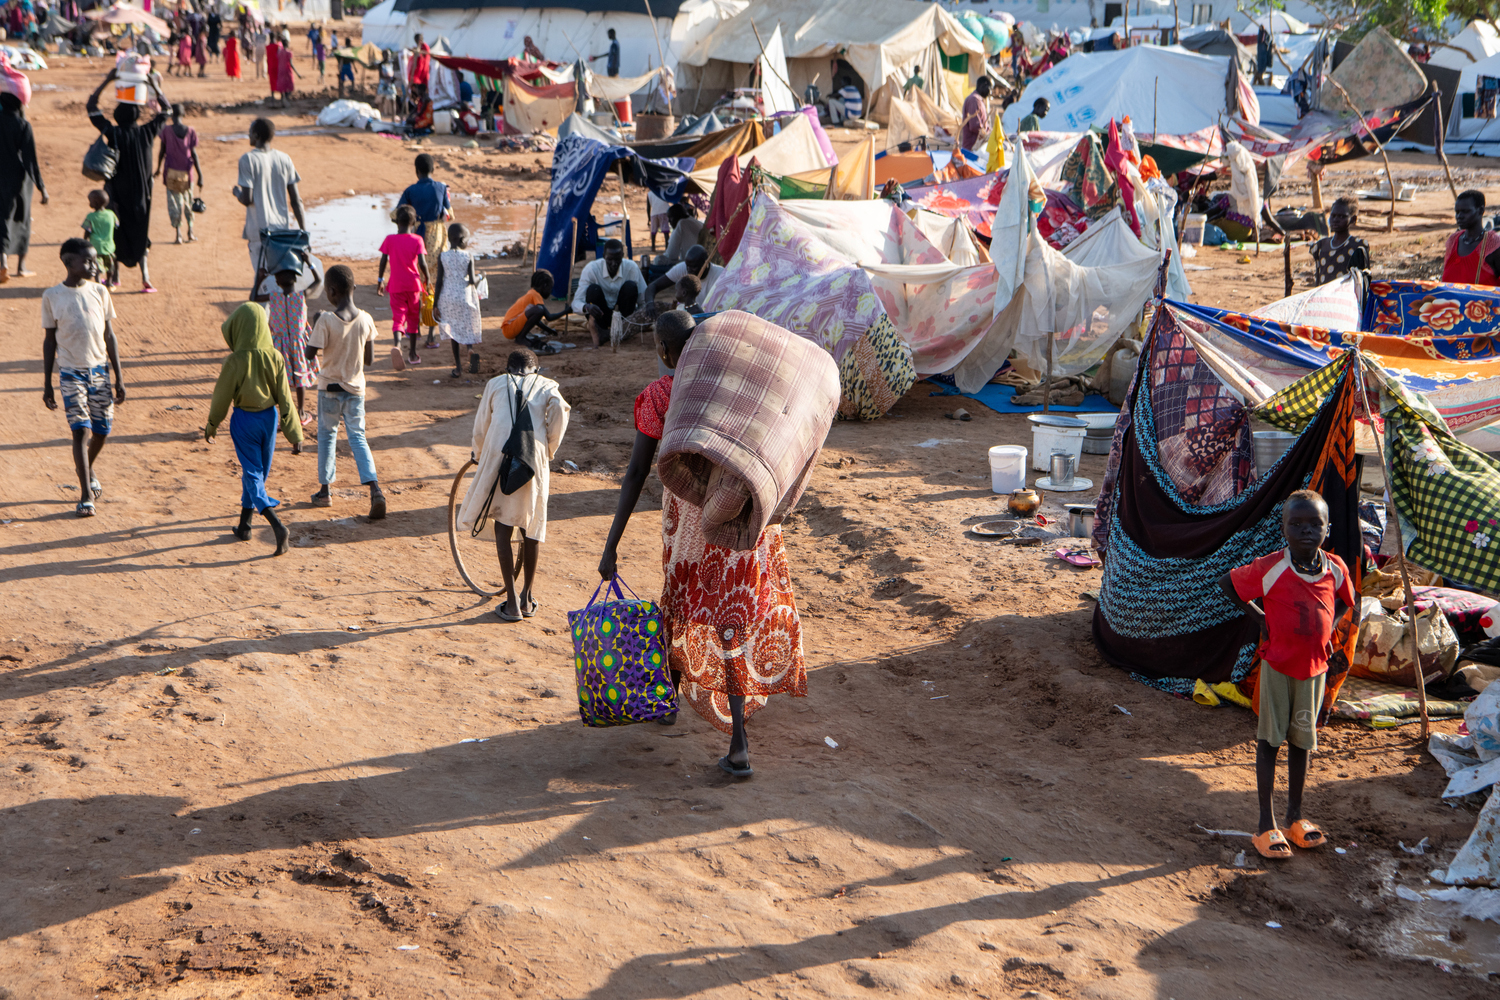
[731, 615]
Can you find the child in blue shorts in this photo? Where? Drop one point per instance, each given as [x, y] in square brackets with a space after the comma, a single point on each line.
[80, 342]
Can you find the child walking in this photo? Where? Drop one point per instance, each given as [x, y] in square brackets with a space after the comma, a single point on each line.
[1304, 593]
[346, 336]
[403, 252]
[529, 313]
[79, 338]
[253, 378]
[286, 310]
[457, 298]
[99, 226]
[519, 389]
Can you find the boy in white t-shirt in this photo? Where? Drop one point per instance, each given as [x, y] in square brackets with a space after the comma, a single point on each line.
[346, 336]
[80, 341]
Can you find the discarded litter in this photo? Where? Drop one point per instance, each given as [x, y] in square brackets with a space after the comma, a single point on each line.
[939, 697]
[1419, 848]
[1273, 925]
[1339, 850]
[407, 947]
[1239, 860]
[1410, 895]
[1123, 710]
[473, 739]
[194, 830]
[352, 628]
[830, 742]
[571, 464]
[1223, 833]
[437, 381]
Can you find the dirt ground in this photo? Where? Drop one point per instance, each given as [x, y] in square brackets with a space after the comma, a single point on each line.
[337, 774]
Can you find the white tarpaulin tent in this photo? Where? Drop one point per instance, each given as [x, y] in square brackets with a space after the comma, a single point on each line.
[1090, 88]
[1486, 130]
[776, 94]
[562, 33]
[1478, 40]
[883, 40]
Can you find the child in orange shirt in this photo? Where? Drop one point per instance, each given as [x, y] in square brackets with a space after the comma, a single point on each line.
[529, 312]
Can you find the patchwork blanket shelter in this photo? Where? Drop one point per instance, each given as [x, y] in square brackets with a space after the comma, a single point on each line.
[784, 274]
[1182, 505]
[579, 166]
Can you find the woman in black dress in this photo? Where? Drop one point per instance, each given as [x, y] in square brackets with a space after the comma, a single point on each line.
[130, 189]
[19, 173]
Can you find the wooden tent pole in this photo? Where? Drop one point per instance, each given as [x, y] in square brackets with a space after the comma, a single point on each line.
[1437, 108]
[624, 208]
[531, 237]
[1047, 385]
[660, 54]
[1286, 259]
[1394, 522]
[1390, 220]
[783, 79]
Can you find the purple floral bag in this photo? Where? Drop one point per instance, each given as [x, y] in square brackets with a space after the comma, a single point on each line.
[620, 655]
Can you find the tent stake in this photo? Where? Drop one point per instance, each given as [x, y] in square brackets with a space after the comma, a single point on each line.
[1395, 524]
[1390, 220]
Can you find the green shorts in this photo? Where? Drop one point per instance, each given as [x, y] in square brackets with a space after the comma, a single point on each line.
[1289, 708]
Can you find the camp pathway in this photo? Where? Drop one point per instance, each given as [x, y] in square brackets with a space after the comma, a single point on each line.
[335, 773]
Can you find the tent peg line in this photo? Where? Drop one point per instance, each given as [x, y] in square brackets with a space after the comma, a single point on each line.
[1395, 524]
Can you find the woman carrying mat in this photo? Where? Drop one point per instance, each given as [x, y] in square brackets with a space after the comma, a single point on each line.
[731, 615]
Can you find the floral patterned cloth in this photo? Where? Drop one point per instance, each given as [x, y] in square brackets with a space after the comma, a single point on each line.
[1060, 221]
[787, 276]
[731, 616]
[1440, 321]
[287, 315]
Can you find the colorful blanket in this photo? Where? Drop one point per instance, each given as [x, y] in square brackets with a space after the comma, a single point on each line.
[976, 199]
[1384, 706]
[1161, 614]
[784, 274]
[751, 405]
[1088, 179]
[579, 166]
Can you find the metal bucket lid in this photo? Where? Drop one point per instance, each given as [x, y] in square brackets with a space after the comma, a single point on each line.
[1055, 420]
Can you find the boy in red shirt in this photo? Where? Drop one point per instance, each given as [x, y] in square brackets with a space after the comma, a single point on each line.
[1304, 592]
[405, 253]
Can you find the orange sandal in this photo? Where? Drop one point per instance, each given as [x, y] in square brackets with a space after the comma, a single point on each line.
[1306, 835]
[1272, 844]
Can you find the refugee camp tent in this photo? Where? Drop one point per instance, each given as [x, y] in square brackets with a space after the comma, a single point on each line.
[1477, 42]
[882, 40]
[1473, 128]
[1090, 88]
[1218, 42]
[564, 33]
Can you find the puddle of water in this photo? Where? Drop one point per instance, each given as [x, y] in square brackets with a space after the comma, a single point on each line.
[353, 228]
[1425, 931]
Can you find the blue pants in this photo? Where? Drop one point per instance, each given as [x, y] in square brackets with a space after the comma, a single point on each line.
[254, 436]
[350, 408]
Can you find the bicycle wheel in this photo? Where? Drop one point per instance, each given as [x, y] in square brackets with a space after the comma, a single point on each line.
[477, 552]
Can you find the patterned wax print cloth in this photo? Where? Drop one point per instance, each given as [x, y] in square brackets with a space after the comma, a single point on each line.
[751, 406]
[1161, 614]
[1088, 180]
[1441, 322]
[789, 277]
[287, 317]
[1470, 614]
[731, 615]
[1383, 706]
[620, 658]
[1060, 221]
[579, 166]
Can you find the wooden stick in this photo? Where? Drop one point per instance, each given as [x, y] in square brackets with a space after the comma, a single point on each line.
[1390, 220]
[624, 208]
[1286, 258]
[1437, 108]
[531, 236]
[1047, 385]
[773, 68]
[1317, 191]
[1395, 524]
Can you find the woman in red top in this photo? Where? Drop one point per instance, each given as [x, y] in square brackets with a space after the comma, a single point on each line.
[731, 616]
[1473, 256]
[273, 63]
[232, 56]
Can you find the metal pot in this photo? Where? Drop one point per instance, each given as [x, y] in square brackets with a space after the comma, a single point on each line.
[1024, 502]
[1080, 520]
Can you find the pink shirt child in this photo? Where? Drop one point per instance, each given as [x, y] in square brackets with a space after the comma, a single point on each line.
[403, 249]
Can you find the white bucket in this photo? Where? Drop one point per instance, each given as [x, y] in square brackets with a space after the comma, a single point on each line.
[1192, 233]
[132, 73]
[1007, 468]
[1045, 440]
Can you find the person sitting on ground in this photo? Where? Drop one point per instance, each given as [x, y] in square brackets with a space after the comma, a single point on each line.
[286, 314]
[402, 250]
[79, 338]
[525, 506]
[99, 226]
[687, 229]
[846, 105]
[696, 262]
[1473, 253]
[529, 313]
[1304, 592]
[976, 115]
[253, 378]
[456, 298]
[1339, 253]
[346, 336]
[608, 285]
[1033, 122]
[688, 290]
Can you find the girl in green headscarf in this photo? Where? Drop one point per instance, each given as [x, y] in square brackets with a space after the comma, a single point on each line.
[254, 380]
